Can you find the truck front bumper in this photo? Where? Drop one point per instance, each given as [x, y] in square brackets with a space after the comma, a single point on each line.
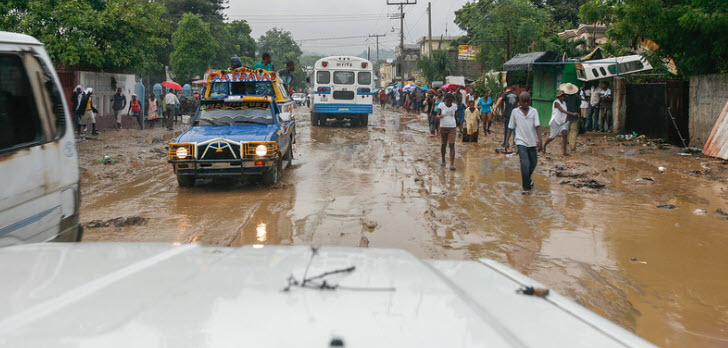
[237, 167]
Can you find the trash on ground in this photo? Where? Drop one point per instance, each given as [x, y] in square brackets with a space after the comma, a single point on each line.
[700, 212]
[721, 212]
[636, 260]
[666, 206]
[630, 153]
[661, 169]
[106, 160]
[646, 178]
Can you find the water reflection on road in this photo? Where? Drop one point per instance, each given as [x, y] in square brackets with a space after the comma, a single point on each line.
[660, 273]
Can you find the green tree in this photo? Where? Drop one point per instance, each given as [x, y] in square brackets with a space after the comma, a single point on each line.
[500, 26]
[106, 35]
[194, 48]
[240, 32]
[207, 10]
[692, 32]
[281, 46]
[565, 13]
[436, 67]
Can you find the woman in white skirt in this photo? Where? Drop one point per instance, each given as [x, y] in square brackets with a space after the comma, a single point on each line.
[559, 124]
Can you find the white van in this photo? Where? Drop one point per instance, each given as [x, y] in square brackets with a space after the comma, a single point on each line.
[39, 187]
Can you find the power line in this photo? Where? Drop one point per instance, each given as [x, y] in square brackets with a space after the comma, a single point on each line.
[334, 38]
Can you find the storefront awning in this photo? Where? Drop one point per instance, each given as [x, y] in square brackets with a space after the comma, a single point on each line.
[524, 61]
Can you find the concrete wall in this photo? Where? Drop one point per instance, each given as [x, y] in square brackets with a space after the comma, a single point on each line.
[468, 68]
[708, 95]
[619, 104]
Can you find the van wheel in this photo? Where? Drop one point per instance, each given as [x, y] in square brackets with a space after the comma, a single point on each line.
[185, 180]
[364, 121]
[272, 175]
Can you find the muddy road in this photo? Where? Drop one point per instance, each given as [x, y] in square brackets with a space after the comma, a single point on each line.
[662, 273]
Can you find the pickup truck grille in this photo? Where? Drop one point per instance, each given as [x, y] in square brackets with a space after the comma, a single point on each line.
[348, 95]
[218, 151]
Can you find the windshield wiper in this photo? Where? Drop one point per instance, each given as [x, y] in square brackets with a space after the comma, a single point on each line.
[213, 122]
[246, 121]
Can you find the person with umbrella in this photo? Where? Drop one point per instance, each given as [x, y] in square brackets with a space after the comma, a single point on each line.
[171, 101]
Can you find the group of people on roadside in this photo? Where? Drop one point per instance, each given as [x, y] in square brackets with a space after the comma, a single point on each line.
[85, 112]
[573, 111]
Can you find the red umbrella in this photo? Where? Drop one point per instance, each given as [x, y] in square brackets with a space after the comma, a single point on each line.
[199, 83]
[451, 86]
[172, 85]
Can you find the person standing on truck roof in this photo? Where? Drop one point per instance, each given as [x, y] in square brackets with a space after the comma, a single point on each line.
[118, 101]
[89, 116]
[286, 75]
[265, 63]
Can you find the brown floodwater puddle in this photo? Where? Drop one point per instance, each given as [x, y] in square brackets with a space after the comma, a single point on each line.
[658, 272]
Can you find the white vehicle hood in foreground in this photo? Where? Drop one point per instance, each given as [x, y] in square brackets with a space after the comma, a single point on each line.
[159, 295]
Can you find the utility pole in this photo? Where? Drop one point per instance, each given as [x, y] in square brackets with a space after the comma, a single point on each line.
[369, 52]
[377, 37]
[429, 26]
[401, 4]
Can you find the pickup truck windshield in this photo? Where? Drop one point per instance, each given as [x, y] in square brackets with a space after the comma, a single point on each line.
[220, 89]
[226, 114]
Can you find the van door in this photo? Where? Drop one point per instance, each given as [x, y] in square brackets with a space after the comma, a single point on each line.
[39, 177]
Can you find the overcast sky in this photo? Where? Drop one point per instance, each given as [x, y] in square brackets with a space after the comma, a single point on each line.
[342, 26]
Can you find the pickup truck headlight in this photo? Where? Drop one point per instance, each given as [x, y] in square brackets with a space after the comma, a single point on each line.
[182, 152]
[261, 150]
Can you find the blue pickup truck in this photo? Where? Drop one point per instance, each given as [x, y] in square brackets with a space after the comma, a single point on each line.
[234, 136]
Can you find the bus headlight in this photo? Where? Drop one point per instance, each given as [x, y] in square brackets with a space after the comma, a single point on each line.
[182, 152]
[261, 150]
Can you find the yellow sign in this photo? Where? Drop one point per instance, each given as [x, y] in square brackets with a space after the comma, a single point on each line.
[467, 52]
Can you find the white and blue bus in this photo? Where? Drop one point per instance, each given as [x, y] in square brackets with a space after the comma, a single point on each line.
[342, 89]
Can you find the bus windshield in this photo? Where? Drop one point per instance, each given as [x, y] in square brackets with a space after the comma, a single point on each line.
[225, 114]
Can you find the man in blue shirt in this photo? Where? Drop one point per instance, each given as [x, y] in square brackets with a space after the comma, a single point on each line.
[265, 63]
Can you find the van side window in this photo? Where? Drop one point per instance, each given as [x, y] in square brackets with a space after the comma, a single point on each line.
[20, 123]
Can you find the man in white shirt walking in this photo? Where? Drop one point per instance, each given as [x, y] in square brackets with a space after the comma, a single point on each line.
[524, 122]
[171, 100]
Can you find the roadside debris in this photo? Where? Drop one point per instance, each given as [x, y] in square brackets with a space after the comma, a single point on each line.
[666, 206]
[106, 160]
[531, 291]
[700, 212]
[636, 260]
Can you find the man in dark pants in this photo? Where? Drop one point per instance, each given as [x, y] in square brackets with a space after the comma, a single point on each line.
[524, 123]
[171, 100]
[510, 103]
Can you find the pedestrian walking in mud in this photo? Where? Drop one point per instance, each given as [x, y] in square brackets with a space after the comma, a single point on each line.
[605, 106]
[135, 111]
[89, 114]
[460, 114]
[592, 121]
[76, 99]
[485, 104]
[382, 98]
[448, 131]
[472, 117]
[435, 120]
[559, 123]
[585, 95]
[171, 101]
[509, 100]
[118, 103]
[152, 110]
[573, 103]
[524, 125]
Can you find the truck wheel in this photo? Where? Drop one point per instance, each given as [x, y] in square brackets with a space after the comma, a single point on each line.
[364, 121]
[289, 156]
[314, 119]
[272, 175]
[185, 180]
